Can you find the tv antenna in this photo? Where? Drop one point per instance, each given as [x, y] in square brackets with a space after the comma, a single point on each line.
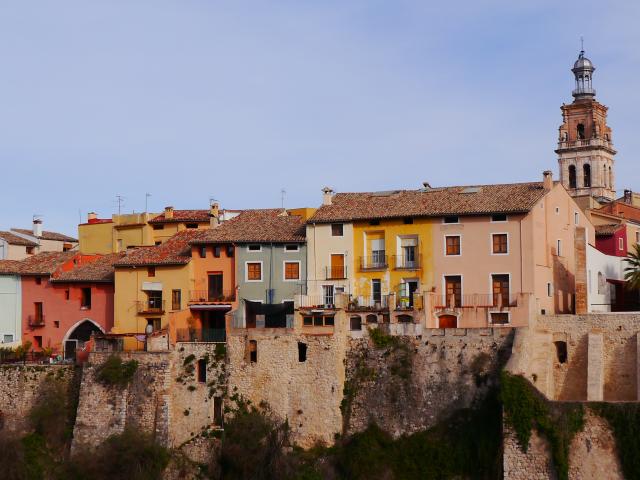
[120, 201]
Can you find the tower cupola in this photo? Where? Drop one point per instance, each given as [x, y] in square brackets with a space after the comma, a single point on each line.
[583, 71]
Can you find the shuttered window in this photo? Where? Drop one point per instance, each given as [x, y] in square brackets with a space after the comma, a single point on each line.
[254, 271]
[291, 271]
[500, 244]
[453, 244]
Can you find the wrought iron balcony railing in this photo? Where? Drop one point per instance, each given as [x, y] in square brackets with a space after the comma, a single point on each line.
[335, 273]
[374, 262]
[208, 296]
[151, 306]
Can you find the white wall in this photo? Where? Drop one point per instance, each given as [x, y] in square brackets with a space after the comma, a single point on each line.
[10, 307]
[610, 267]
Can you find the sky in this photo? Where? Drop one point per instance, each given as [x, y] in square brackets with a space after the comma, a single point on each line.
[189, 100]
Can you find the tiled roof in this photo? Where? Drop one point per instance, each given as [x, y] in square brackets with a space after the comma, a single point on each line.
[13, 239]
[45, 263]
[183, 216]
[175, 251]
[46, 235]
[9, 266]
[608, 229]
[259, 226]
[97, 270]
[432, 202]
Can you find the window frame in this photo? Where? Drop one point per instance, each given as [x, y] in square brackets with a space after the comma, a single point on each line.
[451, 217]
[246, 271]
[254, 250]
[287, 247]
[494, 234]
[84, 304]
[506, 218]
[284, 270]
[446, 249]
[173, 299]
[333, 226]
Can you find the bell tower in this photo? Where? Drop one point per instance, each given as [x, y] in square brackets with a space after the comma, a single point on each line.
[585, 148]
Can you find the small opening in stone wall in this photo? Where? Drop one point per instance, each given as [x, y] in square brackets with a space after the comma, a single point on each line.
[355, 322]
[202, 370]
[561, 351]
[253, 351]
[217, 411]
[302, 352]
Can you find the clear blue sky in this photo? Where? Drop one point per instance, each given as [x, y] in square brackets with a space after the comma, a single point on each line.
[190, 99]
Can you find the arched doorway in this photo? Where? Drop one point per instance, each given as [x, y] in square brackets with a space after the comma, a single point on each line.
[77, 335]
[447, 321]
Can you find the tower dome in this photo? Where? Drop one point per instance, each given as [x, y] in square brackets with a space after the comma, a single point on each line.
[583, 72]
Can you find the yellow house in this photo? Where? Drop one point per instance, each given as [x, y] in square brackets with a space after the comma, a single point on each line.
[103, 235]
[152, 283]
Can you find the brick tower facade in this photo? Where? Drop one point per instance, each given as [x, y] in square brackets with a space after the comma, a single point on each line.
[585, 148]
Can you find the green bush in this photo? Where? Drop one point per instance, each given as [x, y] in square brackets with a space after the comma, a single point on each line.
[115, 372]
[381, 339]
[49, 417]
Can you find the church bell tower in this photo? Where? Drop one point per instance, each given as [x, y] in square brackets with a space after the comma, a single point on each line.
[585, 148]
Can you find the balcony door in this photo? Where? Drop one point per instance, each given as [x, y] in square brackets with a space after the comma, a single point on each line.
[337, 265]
[453, 290]
[409, 247]
[407, 291]
[215, 287]
[378, 253]
[500, 290]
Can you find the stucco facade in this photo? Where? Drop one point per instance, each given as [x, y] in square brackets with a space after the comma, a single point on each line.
[10, 309]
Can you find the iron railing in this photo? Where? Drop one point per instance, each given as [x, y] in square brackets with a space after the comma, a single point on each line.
[36, 320]
[317, 301]
[335, 273]
[151, 306]
[401, 262]
[224, 296]
[362, 303]
[475, 300]
[374, 262]
[210, 335]
[408, 301]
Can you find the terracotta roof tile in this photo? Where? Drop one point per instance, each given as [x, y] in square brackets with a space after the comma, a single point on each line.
[47, 235]
[433, 202]
[99, 270]
[608, 229]
[183, 216]
[257, 226]
[175, 251]
[45, 263]
[13, 239]
[10, 266]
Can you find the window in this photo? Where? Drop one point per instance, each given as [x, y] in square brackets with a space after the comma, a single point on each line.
[7, 338]
[620, 244]
[291, 248]
[557, 210]
[292, 270]
[499, 318]
[328, 295]
[500, 290]
[254, 248]
[38, 340]
[318, 320]
[549, 289]
[217, 411]
[151, 271]
[576, 218]
[31, 250]
[371, 318]
[216, 251]
[253, 351]
[587, 175]
[191, 225]
[374, 222]
[355, 323]
[500, 243]
[85, 301]
[328, 321]
[56, 323]
[202, 251]
[157, 243]
[337, 229]
[39, 314]
[202, 370]
[405, 319]
[453, 290]
[451, 219]
[38, 280]
[407, 221]
[302, 352]
[158, 227]
[580, 131]
[559, 247]
[572, 176]
[230, 251]
[154, 300]
[561, 351]
[155, 323]
[638, 237]
[307, 321]
[376, 290]
[254, 271]
[378, 253]
[452, 245]
[176, 299]
[67, 294]
[499, 217]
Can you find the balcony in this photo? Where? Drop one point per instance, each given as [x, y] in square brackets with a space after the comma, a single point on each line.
[36, 321]
[335, 273]
[409, 301]
[367, 304]
[150, 307]
[475, 300]
[207, 335]
[206, 296]
[320, 302]
[374, 262]
[401, 262]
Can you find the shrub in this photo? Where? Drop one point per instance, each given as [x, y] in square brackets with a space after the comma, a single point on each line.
[49, 416]
[381, 339]
[116, 372]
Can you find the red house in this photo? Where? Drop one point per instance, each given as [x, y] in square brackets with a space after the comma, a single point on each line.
[612, 239]
[66, 297]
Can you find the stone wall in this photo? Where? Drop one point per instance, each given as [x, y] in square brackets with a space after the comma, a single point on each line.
[19, 387]
[418, 381]
[605, 368]
[592, 454]
[307, 393]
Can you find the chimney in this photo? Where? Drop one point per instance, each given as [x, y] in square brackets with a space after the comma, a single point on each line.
[91, 216]
[547, 177]
[214, 215]
[628, 196]
[327, 196]
[37, 227]
[168, 212]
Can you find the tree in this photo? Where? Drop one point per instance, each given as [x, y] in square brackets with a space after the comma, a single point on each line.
[632, 271]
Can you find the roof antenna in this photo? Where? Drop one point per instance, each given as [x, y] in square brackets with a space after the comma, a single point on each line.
[120, 200]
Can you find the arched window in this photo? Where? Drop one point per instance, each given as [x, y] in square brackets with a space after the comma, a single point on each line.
[572, 176]
[580, 131]
[587, 175]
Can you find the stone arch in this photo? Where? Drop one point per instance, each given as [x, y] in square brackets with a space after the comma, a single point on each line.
[77, 333]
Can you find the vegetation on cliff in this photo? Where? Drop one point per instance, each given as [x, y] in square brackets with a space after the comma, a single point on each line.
[115, 372]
